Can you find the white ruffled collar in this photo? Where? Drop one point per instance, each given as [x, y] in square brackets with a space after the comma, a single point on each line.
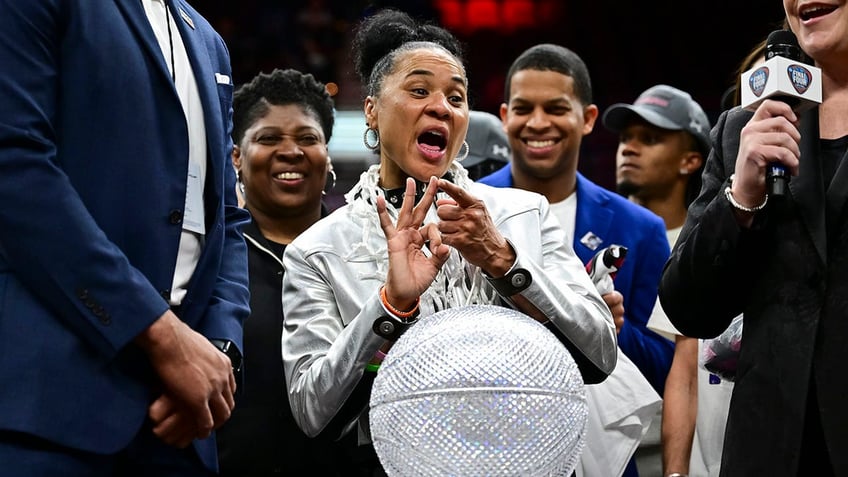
[458, 283]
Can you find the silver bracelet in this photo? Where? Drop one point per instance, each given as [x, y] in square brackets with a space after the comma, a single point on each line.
[677, 474]
[737, 205]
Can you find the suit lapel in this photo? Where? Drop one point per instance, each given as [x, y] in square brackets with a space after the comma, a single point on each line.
[837, 191]
[808, 187]
[134, 13]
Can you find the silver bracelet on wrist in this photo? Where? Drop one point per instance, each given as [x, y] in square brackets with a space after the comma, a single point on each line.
[729, 195]
[677, 474]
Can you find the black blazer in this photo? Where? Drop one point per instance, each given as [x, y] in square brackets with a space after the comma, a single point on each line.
[790, 282]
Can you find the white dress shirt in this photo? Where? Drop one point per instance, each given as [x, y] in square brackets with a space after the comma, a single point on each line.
[170, 41]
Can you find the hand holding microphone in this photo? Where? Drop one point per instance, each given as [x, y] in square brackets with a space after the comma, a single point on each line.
[783, 77]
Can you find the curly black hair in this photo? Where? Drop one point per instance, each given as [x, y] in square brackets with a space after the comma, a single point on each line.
[381, 36]
[280, 88]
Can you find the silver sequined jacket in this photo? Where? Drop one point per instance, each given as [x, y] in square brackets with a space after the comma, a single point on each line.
[335, 269]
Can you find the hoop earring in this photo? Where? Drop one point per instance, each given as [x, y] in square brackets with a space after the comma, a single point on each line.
[462, 157]
[331, 173]
[376, 143]
[240, 184]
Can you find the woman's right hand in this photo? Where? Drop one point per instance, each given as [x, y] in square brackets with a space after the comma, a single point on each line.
[770, 136]
[411, 270]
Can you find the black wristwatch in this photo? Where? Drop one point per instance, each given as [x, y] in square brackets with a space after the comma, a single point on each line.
[512, 283]
[391, 327]
[228, 348]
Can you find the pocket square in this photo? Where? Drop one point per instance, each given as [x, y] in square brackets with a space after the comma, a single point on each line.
[222, 79]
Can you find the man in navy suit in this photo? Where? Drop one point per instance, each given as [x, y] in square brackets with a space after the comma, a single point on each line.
[547, 110]
[122, 266]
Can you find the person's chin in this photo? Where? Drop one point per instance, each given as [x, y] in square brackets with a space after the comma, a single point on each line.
[424, 170]
[541, 165]
[627, 187]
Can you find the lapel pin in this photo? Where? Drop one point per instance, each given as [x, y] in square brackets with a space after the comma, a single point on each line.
[186, 18]
[591, 241]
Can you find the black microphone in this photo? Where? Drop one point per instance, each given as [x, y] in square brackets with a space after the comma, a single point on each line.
[781, 43]
[783, 77]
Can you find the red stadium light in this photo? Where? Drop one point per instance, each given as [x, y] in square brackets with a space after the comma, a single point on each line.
[505, 16]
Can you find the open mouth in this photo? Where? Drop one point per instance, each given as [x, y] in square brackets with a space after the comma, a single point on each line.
[433, 140]
[815, 11]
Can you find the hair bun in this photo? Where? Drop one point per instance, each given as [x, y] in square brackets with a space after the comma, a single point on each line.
[388, 29]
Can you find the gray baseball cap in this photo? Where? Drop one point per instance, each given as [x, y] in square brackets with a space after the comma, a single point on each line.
[486, 139]
[665, 107]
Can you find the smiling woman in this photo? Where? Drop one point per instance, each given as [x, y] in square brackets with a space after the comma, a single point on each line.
[282, 122]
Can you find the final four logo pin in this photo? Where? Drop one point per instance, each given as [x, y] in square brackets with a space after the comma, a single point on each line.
[758, 80]
[800, 77]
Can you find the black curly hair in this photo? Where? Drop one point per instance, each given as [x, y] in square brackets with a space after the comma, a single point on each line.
[380, 37]
[280, 88]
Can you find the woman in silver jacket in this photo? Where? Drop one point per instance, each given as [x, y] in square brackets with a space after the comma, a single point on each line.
[359, 277]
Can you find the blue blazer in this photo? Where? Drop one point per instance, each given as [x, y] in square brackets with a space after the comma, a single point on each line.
[93, 148]
[612, 219]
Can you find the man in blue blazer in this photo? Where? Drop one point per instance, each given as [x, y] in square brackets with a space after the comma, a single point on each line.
[122, 266]
[546, 124]
[547, 111]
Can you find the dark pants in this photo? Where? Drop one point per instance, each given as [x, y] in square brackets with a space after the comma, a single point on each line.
[814, 454]
[26, 455]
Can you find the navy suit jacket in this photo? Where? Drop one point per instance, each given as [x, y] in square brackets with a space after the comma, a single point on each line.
[615, 220]
[93, 167]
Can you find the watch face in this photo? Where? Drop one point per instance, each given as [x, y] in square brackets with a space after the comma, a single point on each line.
[389, 327]
[518, 279]
[235, 358]
[513, 282]
[225, 347]
[232, 352]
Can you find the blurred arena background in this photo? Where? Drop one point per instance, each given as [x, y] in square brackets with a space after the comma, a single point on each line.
[628, 46]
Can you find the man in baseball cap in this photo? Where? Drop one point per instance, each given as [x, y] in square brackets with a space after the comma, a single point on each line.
[488, 147]
[663, 144]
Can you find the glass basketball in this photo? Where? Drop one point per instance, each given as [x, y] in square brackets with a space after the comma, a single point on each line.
[478, 391]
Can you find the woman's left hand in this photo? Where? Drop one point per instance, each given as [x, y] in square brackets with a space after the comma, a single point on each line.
[465, 225]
